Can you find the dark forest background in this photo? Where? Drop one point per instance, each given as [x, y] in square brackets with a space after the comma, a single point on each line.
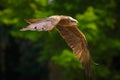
[45, 55]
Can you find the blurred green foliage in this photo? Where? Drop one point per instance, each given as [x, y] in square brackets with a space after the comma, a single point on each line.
[45, 55]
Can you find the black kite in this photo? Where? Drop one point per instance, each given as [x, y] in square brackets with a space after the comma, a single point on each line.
[67, 27]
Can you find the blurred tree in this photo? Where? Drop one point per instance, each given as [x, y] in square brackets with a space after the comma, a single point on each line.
[44, 55]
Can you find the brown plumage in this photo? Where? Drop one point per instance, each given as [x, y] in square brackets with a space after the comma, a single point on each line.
[67, 27]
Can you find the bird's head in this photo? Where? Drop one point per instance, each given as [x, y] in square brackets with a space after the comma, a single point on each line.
[67, 21]
[73, 20]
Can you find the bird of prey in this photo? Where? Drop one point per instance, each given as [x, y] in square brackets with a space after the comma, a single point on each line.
[67, 27]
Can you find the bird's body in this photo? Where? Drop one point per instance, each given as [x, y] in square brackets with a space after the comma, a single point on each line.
[67, 27]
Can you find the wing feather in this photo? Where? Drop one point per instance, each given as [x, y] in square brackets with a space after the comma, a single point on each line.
[46, 24]
[30, 21]
[76, 40]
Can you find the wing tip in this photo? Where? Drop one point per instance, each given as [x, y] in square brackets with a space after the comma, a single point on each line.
[23, 29]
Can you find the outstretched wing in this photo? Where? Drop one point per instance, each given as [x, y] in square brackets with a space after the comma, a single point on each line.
[30, 21]
[46, 24]
[76, 40]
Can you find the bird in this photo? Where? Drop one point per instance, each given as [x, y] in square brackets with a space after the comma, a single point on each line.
[67, 27]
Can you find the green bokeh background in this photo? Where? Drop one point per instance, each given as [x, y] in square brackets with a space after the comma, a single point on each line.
[45, 55]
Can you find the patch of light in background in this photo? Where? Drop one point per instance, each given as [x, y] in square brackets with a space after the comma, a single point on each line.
[50, 1]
